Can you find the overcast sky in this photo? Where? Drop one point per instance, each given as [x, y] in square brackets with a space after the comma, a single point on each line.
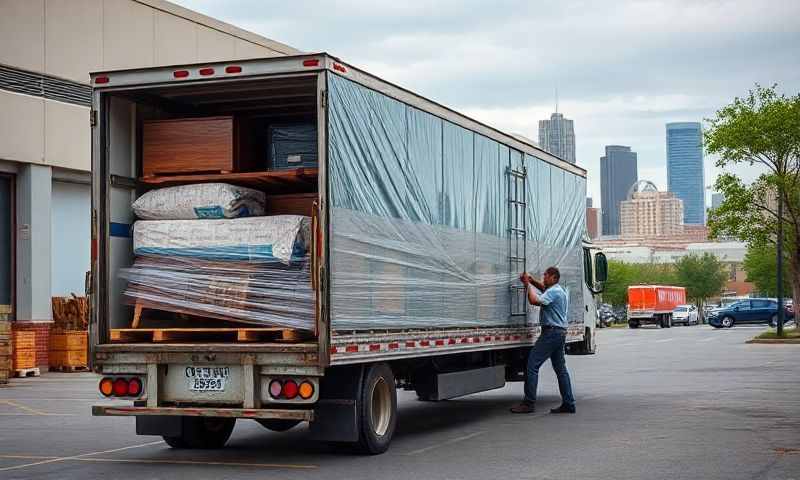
[622, 68]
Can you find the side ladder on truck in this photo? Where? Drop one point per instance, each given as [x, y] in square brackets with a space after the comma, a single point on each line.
[517, 235]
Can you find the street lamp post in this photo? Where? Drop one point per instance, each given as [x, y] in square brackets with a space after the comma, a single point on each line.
[780, 266]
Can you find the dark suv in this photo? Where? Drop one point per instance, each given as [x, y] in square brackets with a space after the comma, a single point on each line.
[754, 310]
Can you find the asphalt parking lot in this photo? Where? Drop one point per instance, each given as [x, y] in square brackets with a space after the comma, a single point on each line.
[685, 402]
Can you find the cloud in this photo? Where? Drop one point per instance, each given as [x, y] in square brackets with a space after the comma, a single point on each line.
[622, 68]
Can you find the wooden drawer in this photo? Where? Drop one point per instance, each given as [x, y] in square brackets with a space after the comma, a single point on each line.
[195, 145]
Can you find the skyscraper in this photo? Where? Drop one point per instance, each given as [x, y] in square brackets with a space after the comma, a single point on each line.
[557, 136]
[618, 172]
[685, 176]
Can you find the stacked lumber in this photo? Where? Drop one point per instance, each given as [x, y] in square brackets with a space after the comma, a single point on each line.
[70, 313]
[68, 350]
[23, 356]
[5, 351]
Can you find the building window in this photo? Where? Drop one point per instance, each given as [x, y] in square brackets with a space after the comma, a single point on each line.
[732, 276]
[6, 246]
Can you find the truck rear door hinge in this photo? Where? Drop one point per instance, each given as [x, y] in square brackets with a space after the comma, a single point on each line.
[323, 99]
[92, 117]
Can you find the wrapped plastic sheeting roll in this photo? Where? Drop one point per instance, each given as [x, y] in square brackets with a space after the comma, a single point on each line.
[203, 200]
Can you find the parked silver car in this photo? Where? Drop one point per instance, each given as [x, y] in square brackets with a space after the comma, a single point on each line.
[685, 315]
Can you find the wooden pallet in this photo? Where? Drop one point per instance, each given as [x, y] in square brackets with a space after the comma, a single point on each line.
[27, 372]
[215, 335]
[69, 368]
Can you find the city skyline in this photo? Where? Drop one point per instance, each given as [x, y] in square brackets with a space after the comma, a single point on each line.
[685, 169]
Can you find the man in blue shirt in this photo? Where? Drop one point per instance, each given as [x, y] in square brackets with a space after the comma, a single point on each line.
[551, 343]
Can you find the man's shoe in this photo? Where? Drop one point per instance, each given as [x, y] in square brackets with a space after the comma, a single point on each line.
[524, 407]
[563, 409]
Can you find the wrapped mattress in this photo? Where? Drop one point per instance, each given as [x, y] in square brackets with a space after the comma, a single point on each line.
[279, 237]
[204, 200]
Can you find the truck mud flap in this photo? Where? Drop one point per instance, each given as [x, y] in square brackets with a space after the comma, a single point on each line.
[335, 413]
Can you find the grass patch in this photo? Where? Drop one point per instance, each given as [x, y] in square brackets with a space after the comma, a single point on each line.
[788, 333]
[618, 325]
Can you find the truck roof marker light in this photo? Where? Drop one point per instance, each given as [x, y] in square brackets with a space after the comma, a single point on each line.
[180, 73]
[134, 387]
[101, 79]
[120, 387]
[206, 71]
[306, 390]
[312, 62]
[106, 386]
[290, 389]
[339, 68]
[275, 388]
[233, 69]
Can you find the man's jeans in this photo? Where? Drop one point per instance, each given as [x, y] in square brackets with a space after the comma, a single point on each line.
[549, 345]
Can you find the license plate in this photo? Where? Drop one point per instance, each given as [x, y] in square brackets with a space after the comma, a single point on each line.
[207, 379]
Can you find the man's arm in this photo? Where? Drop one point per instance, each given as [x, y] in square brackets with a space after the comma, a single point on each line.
[532, 296]
[529, 281]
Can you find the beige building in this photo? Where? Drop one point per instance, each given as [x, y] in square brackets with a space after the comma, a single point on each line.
[651, 214]
[47, 49]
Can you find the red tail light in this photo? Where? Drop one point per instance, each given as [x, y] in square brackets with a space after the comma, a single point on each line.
[314, 62]
[120, 387]
[180, 73]
[233, 69]
[134, 387]
[290, 389]
[206, 71]
[101, 80]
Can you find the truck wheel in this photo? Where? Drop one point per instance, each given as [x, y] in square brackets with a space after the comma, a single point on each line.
[377, 409]
[668, 321]
[202, 433]
[277, 425]
[586, 347]
[633, 324]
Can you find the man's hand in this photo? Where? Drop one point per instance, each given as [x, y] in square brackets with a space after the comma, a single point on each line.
[525, 278]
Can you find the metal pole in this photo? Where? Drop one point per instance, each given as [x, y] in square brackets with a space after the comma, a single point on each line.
[780, 265]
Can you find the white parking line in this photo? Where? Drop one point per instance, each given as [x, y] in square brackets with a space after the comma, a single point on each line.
[665, 340]
[447, 442]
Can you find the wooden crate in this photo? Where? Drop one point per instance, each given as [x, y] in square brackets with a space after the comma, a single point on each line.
[197, 145]
[70, 313]
[68, 340]
[23, 359]
[68, 350]
[23, 347]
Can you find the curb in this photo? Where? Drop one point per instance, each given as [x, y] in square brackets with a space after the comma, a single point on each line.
[775, 341]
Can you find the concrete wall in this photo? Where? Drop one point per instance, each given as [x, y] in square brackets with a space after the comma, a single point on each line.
[70, 38]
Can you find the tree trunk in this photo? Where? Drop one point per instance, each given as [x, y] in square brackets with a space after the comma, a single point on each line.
[794, 271]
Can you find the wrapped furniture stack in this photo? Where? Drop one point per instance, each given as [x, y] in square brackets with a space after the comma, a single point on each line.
[206, 252]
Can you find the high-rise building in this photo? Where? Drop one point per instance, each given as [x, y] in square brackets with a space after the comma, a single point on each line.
[593, 222]
[557, 136]
[618, 173]
[685, 176]
[588, 202]
[651, 214]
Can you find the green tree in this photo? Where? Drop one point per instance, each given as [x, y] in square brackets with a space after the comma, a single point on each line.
[761, 265]
[763, 129]
[621, 275]
[702, 277]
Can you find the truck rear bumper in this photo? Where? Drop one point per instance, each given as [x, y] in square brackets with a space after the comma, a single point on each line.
[130, 411]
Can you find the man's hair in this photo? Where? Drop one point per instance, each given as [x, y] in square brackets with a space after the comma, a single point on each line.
[554, 272]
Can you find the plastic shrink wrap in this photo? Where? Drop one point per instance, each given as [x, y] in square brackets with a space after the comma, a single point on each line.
[420, 219]
[253, 270]
[204, 200]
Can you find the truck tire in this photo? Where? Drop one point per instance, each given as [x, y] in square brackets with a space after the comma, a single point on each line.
[586, 347]
[668, 321]
[202, 433]
[377, 409]
[277, 425]
[633, 324]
